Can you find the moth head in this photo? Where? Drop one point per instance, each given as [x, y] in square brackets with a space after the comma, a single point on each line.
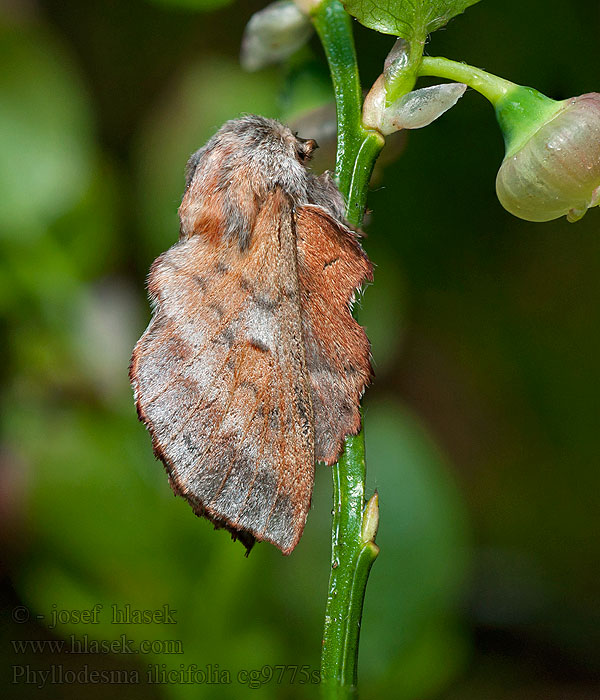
[268, 143]
[304, 148]
[228, 179]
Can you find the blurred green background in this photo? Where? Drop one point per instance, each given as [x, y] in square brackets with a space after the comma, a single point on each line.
[483, 425]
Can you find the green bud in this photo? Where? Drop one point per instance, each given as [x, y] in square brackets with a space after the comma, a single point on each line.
[552, 162]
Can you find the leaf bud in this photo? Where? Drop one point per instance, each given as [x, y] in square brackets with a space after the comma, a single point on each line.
[414, 110]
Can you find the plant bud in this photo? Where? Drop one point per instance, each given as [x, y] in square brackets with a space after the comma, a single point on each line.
[414, 110]
[555, 171]
[400, 69]
[370, 523]
[397, 60]
[273, 34]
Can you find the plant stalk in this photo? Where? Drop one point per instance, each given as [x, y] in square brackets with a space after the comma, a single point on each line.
[351, 556]
[490, 86]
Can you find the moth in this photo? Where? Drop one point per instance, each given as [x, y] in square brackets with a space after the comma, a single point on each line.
[252, 367]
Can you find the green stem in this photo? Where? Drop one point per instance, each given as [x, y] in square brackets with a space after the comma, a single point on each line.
[351, 556]
[334, 28]
[351, 561]
[520, 110]
[490, 86]
[360, 176]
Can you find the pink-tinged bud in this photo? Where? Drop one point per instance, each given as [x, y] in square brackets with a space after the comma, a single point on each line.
[555, 171]
[273, 34]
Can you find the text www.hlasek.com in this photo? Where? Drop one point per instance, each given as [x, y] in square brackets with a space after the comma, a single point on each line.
[84, 645]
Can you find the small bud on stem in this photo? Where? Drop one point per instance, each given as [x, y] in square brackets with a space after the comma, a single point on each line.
[411, 111]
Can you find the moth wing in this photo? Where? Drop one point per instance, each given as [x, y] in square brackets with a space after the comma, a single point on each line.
[220, 379]
[331, 268]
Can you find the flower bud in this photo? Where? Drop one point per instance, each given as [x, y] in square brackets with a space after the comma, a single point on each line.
[555, 170]
[414, 110]
[273, 34]
[397, 60]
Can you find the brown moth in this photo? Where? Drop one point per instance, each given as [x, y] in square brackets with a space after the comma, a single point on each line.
[252, 367]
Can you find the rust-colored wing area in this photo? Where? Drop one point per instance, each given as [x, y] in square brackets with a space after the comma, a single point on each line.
[331, 267]
[220, 379]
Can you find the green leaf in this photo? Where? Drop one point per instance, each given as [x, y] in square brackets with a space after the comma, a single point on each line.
[410, 19]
